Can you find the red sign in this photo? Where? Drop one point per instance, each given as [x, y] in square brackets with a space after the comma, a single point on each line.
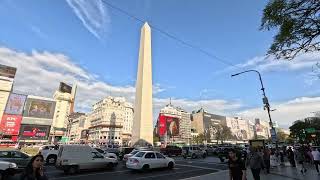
[10, 124]
[168, 126]
[162, 125]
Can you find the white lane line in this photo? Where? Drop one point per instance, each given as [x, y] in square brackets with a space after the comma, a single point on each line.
[160, 175]
[199, 167]
[93, 174]
[194, 177]
[203, 162]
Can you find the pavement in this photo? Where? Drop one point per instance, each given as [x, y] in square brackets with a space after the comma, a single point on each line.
[186, 169]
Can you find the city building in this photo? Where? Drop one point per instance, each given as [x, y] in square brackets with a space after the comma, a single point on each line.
[262, 129]
[111, 121]
[64, 98]
[78, 123]
[185, 126]
[7, 75]
[203, 122]
[142, 134]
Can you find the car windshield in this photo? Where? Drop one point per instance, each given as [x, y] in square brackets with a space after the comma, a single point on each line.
[134, 152]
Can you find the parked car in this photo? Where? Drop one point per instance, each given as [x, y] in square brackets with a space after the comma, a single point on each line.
[123, 151]
[49, 153]
[132, 153]
[211, 149]
[19, 158]
[106, 154]
[7, 169]
[111, 149]
[74, 158]
[193, 152]
[145, 160]
[171, 151]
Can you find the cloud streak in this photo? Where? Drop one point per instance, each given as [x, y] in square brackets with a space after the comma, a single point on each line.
[93, 15]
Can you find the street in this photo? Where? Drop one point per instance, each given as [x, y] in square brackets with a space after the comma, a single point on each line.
[183, 169]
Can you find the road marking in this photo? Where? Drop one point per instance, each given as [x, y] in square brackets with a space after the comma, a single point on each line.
[84, 175]
[199, 167]
[146, 177]
[220, 172]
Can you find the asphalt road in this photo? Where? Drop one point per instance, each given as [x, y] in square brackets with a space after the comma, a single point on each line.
[183, 169]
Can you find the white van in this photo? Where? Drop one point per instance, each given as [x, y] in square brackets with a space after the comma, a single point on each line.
[73, 158]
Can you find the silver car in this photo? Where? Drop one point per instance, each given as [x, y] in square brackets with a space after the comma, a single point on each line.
[17, 157]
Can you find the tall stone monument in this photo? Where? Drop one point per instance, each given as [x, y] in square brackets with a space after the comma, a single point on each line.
[142, 131]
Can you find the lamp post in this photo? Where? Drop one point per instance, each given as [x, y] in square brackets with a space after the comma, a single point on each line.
[264, 99]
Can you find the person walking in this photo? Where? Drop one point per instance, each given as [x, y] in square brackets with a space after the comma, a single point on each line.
[300, 157]
[291, 157]
[237, 168]
[266, 159]
[34, 169]
[316, 158]
[255, 163]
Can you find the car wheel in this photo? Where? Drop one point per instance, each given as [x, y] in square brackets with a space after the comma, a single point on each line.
[110, 166]
[170, 165]
[51, 159]
[204, 155]
[193, 156]
[145, 167]
[73, 170]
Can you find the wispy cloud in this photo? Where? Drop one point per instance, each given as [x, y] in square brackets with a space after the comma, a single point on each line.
[37, 31]
[93, 15]
[287, 111]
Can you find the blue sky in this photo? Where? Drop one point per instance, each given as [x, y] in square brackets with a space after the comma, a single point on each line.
[98, 45]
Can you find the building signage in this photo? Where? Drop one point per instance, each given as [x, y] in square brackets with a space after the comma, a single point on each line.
[38, 108]
[34, 132]
[7, 71]
[10, 124]
[15, 104]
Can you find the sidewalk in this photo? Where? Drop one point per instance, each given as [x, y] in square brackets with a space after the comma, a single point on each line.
[279, 173]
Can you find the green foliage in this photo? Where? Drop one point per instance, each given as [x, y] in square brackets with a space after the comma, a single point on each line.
[298, 130]
[223, 133]
[298, 24]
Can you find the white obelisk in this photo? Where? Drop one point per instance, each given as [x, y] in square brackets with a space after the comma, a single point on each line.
[142, 130]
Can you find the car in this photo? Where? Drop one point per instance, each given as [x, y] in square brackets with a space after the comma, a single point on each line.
[19, 158]
[145, 160]
[127, 156]
[106, 154]
[171, 151]
[193, 152]
[74, 158]
[7, 169]
[49, 153]
[123, 151]
[211, 149]
[111, 149]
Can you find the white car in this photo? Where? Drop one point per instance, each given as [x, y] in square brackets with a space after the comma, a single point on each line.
[106, 154]
[7, 169]
[127, 156]
[49, 153]
[145, 160]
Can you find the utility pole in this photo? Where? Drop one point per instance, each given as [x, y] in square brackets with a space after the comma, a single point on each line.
[265, 102]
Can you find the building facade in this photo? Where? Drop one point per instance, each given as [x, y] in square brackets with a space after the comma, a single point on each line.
[111, 121]
[77, 125]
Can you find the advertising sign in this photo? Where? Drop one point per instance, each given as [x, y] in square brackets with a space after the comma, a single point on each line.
[172, 126]
[34, 132]
[162, 125]
[15, 104]
[39, 108]
[10, 124]
[84, 134]
[7, 71]
[65, 88]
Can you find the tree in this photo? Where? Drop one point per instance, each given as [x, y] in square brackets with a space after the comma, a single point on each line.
[298, 22]
[299, 130]
[281, 136]
[198, 139]
[223, 133]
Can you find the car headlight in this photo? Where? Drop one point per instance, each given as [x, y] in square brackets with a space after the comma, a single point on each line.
[12, 165]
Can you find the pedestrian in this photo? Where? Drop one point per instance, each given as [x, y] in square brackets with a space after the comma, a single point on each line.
[34, 169]
[255, 162]
[273, 159]
[300, 157]
[282, 157]
[237, 167]
[266, 159]
[291, 157]
[316, 158]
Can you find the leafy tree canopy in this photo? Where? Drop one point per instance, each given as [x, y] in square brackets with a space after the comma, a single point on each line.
[298, 24]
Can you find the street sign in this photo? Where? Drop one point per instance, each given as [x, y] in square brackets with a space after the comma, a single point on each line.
[310, 130]
[273, 135]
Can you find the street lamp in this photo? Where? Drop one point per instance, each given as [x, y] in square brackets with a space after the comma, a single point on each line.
[264, 99]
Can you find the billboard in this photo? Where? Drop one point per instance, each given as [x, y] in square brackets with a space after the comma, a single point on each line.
[34, 132]
[168, 126]
[65, 88]
[7, 71]
[15, 104]
[84, 134]
[38, 108]
[10, 124]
